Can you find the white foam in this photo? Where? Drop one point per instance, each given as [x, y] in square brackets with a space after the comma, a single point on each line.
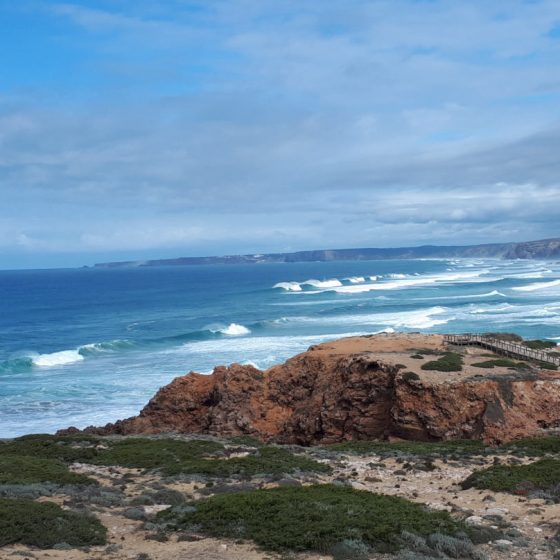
[399, 276]
[61, 358]
[416, 319]
[233, 329]
[372, 278]
[289, 286]
[356, 280]
[537, 286]
[322, 283]
[467, 296]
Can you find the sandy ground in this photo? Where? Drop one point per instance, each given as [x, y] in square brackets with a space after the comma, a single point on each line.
[534, 520]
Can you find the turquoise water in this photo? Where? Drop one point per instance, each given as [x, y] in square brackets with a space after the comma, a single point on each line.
[81, 347]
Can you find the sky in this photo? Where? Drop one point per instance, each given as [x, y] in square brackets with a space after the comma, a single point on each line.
[133, 129]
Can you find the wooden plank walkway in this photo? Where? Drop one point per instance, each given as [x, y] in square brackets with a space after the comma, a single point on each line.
[506, 348]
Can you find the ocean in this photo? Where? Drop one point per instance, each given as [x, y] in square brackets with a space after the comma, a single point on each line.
[90, 346]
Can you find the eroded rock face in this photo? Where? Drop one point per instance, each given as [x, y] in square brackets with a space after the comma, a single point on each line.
[350, 389]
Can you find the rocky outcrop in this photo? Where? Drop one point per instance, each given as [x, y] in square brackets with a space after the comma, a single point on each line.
[352, 389]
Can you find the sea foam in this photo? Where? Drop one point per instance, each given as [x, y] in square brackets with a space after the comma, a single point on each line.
[537, 286]
[61, 358]
[233, 329]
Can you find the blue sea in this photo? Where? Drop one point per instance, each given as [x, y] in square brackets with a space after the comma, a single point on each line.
[89, 346]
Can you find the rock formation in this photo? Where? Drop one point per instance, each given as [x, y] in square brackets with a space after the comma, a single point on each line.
[354, 389]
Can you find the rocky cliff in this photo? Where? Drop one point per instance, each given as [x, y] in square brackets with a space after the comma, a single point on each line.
[357, 388]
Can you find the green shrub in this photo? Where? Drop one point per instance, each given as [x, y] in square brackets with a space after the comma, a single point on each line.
[518, 479]
[450, 361]
[29, 470]
[146, 453]
[500, 362]
[170, 456]
[267, 460]
[417, 356]
[539, 344]
[412, 448]
[68, 448]
[534, 446]
[410, 376]
[46, 524]
[316, 518]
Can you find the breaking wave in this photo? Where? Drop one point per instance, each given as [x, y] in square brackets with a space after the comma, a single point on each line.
[233, 329]
[358, 284]
[537, 286]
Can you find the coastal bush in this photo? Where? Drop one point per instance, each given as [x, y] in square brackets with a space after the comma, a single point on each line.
[46, 524]
[168, 455]
[29, 470]
[534, 446]
[417, 356]
[450, 361]
[315, 518]
[147, 453]
[267, 460]
[412, 448]
[66, 448]
[499, 362]
[410, 376]
[539, 344]
[543, 475]
[175, 457]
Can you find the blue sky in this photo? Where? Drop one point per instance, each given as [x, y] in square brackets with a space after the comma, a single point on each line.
[144, 129]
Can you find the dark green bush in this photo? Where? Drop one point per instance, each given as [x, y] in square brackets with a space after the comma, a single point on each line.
[317, 518]
[413, 448]
[539, 344]
[534, 446]
[170, 456]
[417, 356]
[29, 470]
[500, 362]
[450, 361]
[518, 479]
[410, 376]
[67, 449]
[46, 524]
[267, 460]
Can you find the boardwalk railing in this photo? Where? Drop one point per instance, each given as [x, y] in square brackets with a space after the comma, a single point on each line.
[502, 347]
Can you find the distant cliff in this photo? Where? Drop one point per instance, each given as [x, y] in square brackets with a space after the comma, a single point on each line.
[544, 249]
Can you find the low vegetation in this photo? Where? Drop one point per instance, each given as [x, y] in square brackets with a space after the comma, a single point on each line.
[16, 469]
[412, 448]
[46, 524]
[536, 447]
[450, 361]
[539, 344]
[167, 455]
[499, 362]
[541, 478]
[319, 518]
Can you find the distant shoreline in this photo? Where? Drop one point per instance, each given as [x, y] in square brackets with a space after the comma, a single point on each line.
[542, 249]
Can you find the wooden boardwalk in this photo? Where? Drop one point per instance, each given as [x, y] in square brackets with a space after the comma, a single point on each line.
[506, 348]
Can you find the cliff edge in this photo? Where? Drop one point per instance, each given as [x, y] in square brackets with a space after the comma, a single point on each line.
[358, 388]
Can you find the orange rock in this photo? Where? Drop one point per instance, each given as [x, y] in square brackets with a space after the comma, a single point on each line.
[350, 389]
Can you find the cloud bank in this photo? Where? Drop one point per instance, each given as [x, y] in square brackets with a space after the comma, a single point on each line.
[149, 129]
